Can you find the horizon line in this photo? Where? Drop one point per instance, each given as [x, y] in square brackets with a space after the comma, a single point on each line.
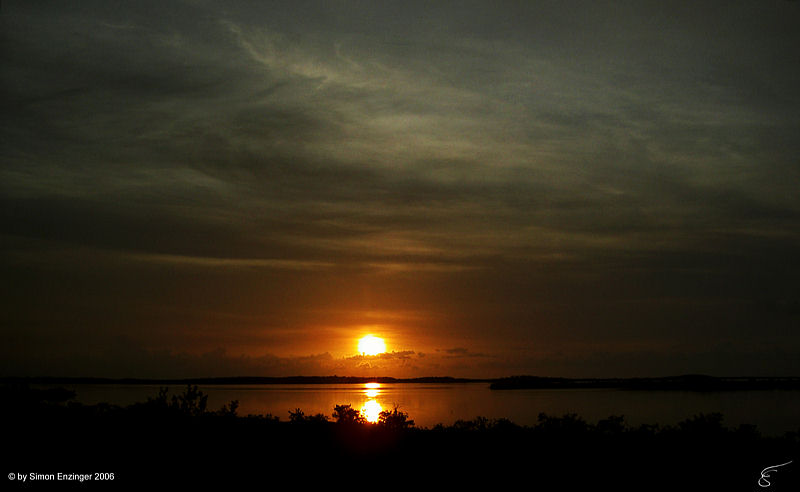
[378, 378]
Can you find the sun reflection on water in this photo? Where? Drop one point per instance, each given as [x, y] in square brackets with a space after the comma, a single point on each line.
[371, 411]
[372, 390]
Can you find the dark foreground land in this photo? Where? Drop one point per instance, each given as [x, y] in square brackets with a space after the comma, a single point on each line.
[174, 440]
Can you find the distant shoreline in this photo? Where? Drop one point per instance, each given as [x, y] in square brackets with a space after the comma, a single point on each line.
[239, 380]
[680, 383]
[689, 382]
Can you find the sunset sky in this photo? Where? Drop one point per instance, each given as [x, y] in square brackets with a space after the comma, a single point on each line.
[196, 188]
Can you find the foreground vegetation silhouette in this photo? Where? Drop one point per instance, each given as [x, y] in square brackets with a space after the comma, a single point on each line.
[177, 439]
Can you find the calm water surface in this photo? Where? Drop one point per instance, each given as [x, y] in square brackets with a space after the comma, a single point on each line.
[774, 412]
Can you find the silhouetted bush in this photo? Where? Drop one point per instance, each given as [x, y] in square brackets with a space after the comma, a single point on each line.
[317, 418]
[191, 403]
[21, 395]
[297, 417]
[262, 418]
[345, 414]
[476, 424]
[703, 425]
[228, 410]
[569, 424]
[395, 420]
[614, 425]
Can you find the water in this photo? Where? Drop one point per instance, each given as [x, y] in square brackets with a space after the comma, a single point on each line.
[774, 412]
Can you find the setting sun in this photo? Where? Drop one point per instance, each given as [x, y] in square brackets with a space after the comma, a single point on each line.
[371, 345]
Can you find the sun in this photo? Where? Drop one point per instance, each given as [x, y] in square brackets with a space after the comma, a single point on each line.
[371, 345]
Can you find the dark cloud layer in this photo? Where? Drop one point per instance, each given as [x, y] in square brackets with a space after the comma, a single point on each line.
[572, 189]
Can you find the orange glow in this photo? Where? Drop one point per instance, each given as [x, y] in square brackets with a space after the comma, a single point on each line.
[371, 410]
[372, 390]
[371, 345]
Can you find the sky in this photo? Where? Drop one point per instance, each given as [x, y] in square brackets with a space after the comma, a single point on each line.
[245, 188]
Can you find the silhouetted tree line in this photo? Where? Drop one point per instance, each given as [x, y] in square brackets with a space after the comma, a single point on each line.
[20, 400]
[178, 432]
[191, 403]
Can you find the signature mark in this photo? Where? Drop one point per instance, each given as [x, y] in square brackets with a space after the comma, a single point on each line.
[763, 482]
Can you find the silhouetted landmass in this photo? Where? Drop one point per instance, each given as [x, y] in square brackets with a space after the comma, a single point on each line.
[689, 382]
[237, 380]
[175, 440]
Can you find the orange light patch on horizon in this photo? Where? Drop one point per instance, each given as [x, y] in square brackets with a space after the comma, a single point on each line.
[371, 411]
[372, 390]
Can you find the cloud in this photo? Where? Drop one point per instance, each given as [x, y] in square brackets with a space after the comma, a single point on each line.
[518, 176]
[393, 355]
[460, 352]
